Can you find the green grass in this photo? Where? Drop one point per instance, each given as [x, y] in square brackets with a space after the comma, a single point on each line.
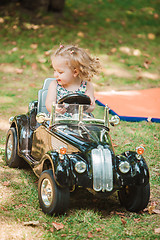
[105, 28]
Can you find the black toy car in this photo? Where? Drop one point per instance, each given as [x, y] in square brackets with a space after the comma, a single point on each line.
[72, 150]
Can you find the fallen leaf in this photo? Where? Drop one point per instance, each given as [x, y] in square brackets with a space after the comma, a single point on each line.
[47, 53]
[156, 211]
[150, 209]
[34, 45]
[157, 230]
[120, 213]
[19, 70]
[22, 57]
[34, 66]
[20, 206]
[14, 49]
[63, 235]
[31, 223]
[115, 145]
[156, 16]
[141, 36]
[136, 52]
[137, 220]
[108, 20]
[1, 20]
[156, 138]
[57, 226]
[126, 50]
[4, 209]
[154, 203]
[6, 183]
[80, 34]
[15, 27]
[123, 221]
[98, 229]
[44, 67]
[14, 43]
[90, 235]
[123, 23]
[151, 36]
[32, 85]
[113, 50]
[42, 60]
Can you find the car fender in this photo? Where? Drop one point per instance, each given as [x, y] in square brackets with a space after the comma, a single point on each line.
[139, 172]
[60, 168]
[24, 134]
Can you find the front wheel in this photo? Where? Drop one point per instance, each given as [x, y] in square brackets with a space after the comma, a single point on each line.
[12, 158]
[134, 198]
[52, 198]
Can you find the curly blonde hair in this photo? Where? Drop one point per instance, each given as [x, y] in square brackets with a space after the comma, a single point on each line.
[78, 58]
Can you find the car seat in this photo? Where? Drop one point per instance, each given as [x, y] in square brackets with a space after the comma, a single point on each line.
[42, 94]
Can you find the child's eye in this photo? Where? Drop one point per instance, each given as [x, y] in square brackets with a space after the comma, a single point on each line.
[60, 72]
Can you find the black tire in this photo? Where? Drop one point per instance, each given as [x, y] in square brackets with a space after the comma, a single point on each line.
[135, 198]
[52, 198]
[12, 158]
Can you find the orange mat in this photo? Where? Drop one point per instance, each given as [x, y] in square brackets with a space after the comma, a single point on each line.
[136, 104]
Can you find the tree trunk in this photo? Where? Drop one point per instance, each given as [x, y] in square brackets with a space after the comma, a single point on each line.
[35, 4]
[57, 5]
[45, 5]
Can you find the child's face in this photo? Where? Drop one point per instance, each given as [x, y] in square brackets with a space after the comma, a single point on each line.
[62, 72]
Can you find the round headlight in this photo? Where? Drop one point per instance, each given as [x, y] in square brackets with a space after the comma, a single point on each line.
[124, 167]
[80, 167]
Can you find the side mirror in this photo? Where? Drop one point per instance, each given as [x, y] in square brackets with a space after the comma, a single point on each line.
[42, 117]
[115, 120]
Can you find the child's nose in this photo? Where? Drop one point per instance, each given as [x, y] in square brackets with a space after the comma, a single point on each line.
[55, 74]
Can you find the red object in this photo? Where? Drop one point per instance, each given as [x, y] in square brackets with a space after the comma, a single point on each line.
[138, 103]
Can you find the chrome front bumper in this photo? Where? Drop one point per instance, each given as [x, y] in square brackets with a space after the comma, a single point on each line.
[102, 169]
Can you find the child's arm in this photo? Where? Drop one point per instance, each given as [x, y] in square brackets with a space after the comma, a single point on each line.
[51, 95]
[90, 93]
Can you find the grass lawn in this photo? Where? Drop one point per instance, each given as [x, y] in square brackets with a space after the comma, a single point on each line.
[125, 36]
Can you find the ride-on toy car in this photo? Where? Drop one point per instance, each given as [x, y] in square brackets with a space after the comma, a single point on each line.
[72, 150]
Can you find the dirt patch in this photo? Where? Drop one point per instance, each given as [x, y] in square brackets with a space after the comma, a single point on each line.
[11, 231]
[5, 194]
[4, 125]
[117, 71]
[7, 68]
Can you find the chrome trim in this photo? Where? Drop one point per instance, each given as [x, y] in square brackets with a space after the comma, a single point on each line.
[102, 169]
[47, 192]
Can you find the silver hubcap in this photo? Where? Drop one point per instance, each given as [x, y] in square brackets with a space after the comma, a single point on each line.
[46, 192]
[9, 147]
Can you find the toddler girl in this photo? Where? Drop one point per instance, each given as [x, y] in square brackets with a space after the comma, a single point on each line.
[73, 70]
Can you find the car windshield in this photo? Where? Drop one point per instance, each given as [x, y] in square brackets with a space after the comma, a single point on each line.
[74, 112]
[73, 119]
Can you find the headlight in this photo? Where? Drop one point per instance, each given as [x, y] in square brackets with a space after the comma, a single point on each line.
[124, 167]
[80, 167]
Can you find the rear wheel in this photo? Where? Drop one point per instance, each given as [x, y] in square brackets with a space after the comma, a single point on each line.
[12, 158]
[52, 198]
[134, 198]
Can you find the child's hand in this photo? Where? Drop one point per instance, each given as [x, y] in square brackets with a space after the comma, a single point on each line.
[61, 108]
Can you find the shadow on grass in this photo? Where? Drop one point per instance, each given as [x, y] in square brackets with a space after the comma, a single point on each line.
[82, 199]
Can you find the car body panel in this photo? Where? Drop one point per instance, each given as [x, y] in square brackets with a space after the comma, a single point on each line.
[39, 144]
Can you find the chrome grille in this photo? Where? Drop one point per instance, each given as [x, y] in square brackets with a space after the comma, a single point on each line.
[102, 169]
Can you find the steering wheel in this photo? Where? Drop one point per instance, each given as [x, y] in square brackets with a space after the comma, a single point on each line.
[75, 98]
